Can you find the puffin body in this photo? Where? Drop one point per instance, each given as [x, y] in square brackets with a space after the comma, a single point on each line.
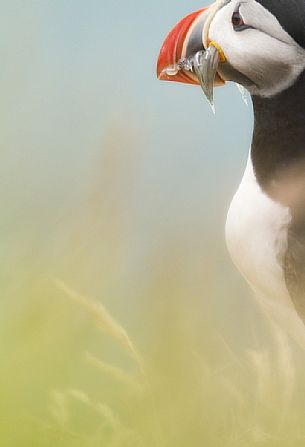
[259, 44]
[256, 236]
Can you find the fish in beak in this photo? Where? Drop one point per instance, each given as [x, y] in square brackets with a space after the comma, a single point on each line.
[188, 56]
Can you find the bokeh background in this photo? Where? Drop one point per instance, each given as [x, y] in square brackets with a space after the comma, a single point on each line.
[123, 321]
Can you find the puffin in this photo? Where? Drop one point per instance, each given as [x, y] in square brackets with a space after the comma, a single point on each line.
[259, 45]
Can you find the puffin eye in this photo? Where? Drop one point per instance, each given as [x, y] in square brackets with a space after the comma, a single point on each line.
[238, 22]
[237, 19]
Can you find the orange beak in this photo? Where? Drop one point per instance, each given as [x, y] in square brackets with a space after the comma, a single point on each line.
[185, 40]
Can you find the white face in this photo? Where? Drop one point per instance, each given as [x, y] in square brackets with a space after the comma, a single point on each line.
[264, 58]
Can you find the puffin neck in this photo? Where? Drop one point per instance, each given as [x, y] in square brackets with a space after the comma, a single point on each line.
[279, 133]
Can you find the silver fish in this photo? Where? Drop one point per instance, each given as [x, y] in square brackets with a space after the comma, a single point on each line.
[204, 65]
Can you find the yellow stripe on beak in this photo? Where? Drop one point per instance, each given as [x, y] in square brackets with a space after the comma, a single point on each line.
[219, 49]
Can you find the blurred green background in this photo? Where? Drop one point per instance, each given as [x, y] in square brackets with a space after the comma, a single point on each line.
[123, 320]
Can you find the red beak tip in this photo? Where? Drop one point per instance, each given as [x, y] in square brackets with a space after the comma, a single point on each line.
[171, 51]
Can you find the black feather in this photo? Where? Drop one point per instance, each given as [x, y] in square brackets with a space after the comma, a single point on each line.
[291, 15]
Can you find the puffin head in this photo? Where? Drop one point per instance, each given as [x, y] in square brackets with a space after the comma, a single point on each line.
[259, 44]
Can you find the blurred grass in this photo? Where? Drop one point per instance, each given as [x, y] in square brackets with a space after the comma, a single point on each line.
[154, 347]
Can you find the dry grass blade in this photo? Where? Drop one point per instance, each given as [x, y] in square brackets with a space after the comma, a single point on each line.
[103, 318]
[113, 371]
[102, 409]
[261, 362]
[58, 407]
[108, 415]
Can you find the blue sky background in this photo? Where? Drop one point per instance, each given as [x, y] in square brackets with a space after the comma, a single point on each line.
[118, 185]
[78, 77]
[73, 70]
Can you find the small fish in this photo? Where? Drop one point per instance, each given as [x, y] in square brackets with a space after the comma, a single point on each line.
[204, 66]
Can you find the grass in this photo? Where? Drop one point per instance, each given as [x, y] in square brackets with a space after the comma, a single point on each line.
[162, 347]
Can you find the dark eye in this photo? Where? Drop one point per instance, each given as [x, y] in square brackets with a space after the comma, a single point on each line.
[238, 22]
[237, 19]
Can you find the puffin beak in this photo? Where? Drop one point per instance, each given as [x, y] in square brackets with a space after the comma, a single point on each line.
[188, 56]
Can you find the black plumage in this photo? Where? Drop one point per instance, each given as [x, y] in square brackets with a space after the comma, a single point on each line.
[291, 15]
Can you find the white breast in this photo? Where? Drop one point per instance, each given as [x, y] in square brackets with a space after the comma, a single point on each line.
[256, 234]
